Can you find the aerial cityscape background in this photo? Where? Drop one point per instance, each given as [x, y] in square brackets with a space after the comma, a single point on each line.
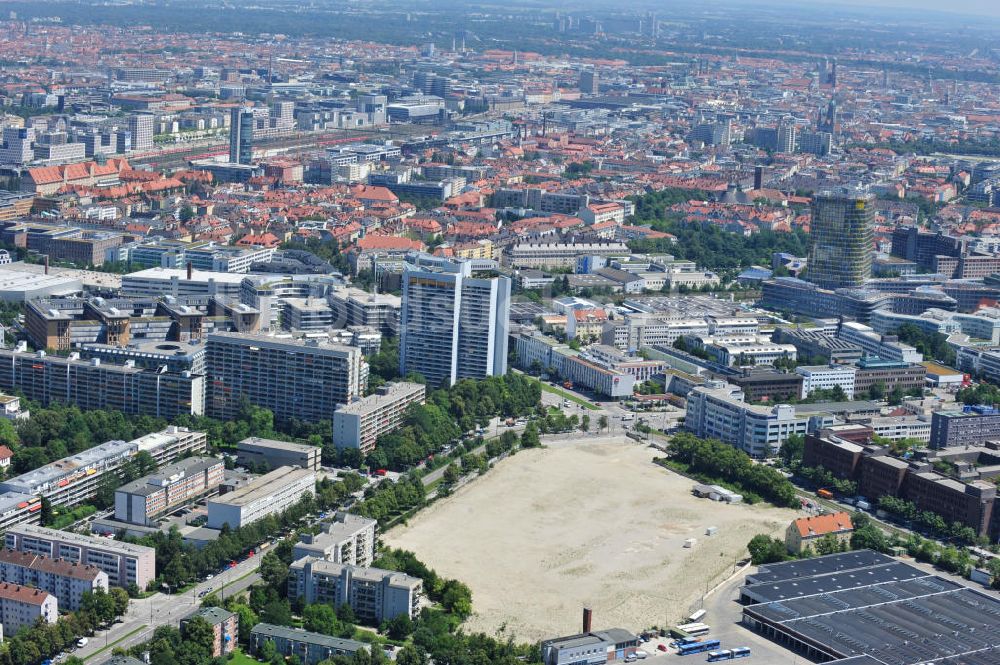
[465, 333]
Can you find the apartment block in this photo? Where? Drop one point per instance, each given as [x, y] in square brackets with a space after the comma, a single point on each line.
[225, 628]
[124, 563]
[374, 594]
[717, 411]
[769, 384]
[273, 454]
[66, 580]
[143, 500]
[75, 479]
[303, 380]
[347, 539]
[889, 374]
[271, 493]
[310, 648]
[22, 607]
[92, 384]
[360, 423]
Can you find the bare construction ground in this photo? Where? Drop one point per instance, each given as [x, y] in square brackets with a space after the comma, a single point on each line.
[550, 530]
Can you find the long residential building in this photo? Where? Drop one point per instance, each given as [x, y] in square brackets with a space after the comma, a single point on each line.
[300, 380]
[717, 411]
[310, 648]
[354, 307]
[124, 563]
[66, 580]
[272, 493]
[24, 606]
[142, 500]
[75, 479]
[559, 254]
[92, 384]
[374, 594]
[360, 423]
[347, 538]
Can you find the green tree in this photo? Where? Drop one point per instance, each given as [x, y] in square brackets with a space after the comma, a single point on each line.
[273, 571]
[602, 423]
[199, 638]
[792, 449]
[869, 537]
[529, 437]
[457, 599]
[585, 423]
[277, 612]
[411, 655]
[321, 618]
[45, 513]
[765, 549]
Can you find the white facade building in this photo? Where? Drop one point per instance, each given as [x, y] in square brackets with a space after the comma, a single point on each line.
[717, 411]
[825, 377]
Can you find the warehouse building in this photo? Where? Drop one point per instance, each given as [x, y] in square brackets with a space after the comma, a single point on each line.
[359, 424]
[374, 594]
[65, 580]
[870, 606]
[143, 500]
[124, 563]
[254, 451]
[269, 494]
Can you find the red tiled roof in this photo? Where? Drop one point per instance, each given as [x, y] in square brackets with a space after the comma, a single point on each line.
[820, 525]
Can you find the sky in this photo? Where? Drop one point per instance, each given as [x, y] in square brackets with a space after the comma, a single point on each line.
[980, 7]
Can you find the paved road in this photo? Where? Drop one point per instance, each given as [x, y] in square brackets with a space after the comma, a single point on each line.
[161, 609]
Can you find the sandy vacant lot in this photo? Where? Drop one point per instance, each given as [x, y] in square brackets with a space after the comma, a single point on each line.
[575, 524]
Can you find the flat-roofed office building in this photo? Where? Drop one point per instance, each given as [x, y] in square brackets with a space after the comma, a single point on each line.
[254, 451]
[269, 494]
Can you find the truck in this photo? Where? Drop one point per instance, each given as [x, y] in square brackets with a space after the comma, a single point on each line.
[568, 385]
[824, 494]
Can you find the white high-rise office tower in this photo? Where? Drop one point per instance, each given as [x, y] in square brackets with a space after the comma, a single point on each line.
[454, 321]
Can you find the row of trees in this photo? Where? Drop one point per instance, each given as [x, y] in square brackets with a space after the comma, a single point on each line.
[905, 510]
[448, 413]
[718, 461]
[820, 477]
